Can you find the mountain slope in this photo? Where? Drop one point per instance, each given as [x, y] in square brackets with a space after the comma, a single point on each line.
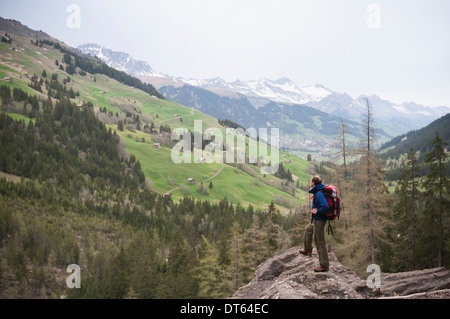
[396, 118]
[419, 140]
[303, 129]
[147, 120]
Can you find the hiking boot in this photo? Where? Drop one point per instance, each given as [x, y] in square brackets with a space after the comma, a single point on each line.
[303, 252]
[321, 269]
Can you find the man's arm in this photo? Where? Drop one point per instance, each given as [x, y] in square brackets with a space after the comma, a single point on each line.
[322, 204]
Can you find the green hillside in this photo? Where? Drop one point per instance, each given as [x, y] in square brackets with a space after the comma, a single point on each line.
[87, 179]
[395, 151]
[143, 115]
[82, 183]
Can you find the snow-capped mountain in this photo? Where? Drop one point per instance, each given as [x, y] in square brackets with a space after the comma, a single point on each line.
[281, 90]
[394, 118]
[119, 60]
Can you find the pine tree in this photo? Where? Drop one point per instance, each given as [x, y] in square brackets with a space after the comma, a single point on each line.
[5, 94]
[406, 211]
[254, 249]
[209, 271]
[145, 266]
[180, 280]
[436, 186]
[272, 229]
[119, 276]
[120, 126]
[34, 104]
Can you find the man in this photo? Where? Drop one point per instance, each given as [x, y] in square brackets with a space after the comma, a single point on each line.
[316, 227]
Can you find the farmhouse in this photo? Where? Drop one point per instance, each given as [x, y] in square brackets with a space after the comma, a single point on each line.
[191, 180]
[156, 145]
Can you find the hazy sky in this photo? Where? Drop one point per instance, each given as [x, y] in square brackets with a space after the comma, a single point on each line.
[398, 49]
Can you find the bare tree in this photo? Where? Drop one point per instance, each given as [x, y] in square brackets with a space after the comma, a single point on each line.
[344, 152]
[375, 201]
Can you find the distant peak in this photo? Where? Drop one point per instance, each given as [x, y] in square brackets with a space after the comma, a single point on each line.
[320, 86]
[90, 45]
[283, 80]
[216, 79]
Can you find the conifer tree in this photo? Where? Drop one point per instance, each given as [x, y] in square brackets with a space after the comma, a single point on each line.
[436, 186]
[5, 94]
[180, 280]
[209, 271]
[272, 229]
[254, 249]
[120, 126]
[236, 258]
[406, 211]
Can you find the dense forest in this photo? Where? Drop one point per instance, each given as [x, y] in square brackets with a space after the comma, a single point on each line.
[69, 194]
[80, 200]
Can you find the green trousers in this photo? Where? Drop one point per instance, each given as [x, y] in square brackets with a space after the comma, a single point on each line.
[316, 229]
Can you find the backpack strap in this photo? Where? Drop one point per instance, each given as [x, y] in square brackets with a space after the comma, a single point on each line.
[330, 229]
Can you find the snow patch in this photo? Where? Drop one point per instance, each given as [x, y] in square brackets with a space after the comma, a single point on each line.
[400, 108]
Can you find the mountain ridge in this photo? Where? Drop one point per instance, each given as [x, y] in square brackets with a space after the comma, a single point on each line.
[121, 61]
[395, 118]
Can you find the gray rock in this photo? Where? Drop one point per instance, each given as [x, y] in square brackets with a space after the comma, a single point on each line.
[291, 275]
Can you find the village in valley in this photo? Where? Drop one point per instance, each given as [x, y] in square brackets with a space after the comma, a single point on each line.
[319, 148]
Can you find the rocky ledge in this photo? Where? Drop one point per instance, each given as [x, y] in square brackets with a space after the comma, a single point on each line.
[291, 275]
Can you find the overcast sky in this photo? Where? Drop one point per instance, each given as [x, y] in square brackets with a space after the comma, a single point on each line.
[397, 49]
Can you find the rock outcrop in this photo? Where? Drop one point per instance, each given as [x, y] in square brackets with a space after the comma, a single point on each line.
[291, 275]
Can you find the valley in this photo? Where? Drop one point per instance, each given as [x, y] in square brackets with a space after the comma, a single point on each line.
[114, 102]
[91, 176]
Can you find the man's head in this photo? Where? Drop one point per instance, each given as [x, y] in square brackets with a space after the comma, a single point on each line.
[315, 180]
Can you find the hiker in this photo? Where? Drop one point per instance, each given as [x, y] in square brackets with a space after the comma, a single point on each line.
[316, 227]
